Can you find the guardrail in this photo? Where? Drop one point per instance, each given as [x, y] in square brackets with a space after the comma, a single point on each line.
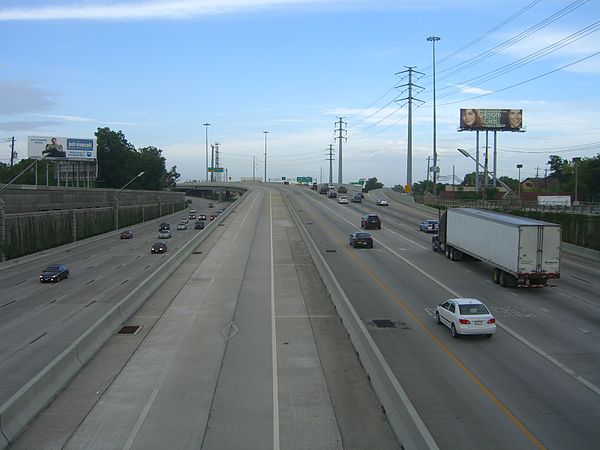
[406, 423]
[23, 406]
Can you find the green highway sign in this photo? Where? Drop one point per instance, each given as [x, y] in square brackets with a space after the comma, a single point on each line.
[304, 179]
[216, 169]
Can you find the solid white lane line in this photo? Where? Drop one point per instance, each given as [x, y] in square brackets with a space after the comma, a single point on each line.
[274, 338]
[595, 389]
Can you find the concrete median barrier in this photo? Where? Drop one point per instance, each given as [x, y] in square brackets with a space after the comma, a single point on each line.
[402, 416]
[21, 408]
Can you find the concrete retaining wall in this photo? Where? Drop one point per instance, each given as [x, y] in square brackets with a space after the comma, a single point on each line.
[17, 412]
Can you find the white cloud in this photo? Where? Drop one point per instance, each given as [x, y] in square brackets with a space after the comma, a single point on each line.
[473, 90]
[68, 118]
[18, 97]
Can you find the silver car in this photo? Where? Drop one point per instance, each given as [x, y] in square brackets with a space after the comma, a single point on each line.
[164, 234]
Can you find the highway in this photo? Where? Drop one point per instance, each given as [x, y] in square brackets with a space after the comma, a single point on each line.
[242, 349]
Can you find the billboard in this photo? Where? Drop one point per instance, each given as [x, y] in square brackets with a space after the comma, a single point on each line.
[55, 147]
[491, 119]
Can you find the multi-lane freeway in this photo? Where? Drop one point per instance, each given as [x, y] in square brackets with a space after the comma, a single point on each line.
[241, 347]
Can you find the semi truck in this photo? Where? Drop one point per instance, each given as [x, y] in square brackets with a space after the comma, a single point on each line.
[523, 252]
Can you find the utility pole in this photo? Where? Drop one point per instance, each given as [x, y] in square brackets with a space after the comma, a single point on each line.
[266, 132]
[218, 174]
[206, 125]
[12, 154]
[212, 162]
[433, 40]
[410, 99]
[330, 159]
[253, 168]
[428, 160]
[340, 137]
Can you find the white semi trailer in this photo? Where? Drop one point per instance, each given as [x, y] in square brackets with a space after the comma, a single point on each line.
[523, 252]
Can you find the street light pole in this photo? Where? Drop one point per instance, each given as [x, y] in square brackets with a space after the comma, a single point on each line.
[266, 132]
[206, 125]
[519, 167]
[117, 199]
[433, 40]
[502, 183]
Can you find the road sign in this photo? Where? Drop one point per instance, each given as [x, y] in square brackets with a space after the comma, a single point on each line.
[304, 179]
[216, 169]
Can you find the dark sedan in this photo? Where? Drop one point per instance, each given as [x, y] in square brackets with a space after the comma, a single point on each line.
[158, 247]
[361, 239]
[127, 234]
[54, 273]
[199, 225]
[201, 216]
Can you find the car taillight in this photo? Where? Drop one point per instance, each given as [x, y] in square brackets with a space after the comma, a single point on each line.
[464, 321]
[492, 320]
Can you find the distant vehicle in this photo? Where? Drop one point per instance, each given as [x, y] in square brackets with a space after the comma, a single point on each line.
[199, 225]
[188, 201]
[54, 273]
[361, 239]
[164, 234]
[342, 190]
[323, 189]
[314, 186]
[331, 194]
[466, 316]
[127, 234]
[201, 216]
[381, 202]
[331, 186]
[361, 195]
[158, 247]
[164, 226]
[364, 190]
[211, 205]
[286, 182]
[370, 220]
[343, 200]
[192, 216]
[182, 226]
[523, 252]
[429, 226]
[356, 198]
[219, 211]
[212, 217]
[192, 211]
[184, 219]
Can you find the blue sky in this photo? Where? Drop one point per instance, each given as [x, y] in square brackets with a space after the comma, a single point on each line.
[158, 70]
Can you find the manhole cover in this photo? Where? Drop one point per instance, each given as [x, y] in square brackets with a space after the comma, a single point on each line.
[384, 323]
[129, 329]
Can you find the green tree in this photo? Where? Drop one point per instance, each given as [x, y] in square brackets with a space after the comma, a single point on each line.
[116, 159]
[372, 183]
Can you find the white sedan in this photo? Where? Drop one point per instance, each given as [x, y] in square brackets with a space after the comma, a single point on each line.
[466, 316]
[381, 202]
[343, 199]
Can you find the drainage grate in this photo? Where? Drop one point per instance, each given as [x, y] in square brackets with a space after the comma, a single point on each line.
[384, 323]
[330, 251]
[129, 329]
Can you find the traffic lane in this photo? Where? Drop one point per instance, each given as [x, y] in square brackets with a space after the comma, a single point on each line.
[413, 355]
[48, 326]
[503, 376]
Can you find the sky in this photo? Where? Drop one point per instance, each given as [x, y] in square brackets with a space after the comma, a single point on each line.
[157, 70]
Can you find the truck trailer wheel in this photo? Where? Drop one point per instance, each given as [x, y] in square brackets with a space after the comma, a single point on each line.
[496, 275]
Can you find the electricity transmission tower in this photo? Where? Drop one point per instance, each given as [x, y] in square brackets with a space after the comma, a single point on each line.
[340, 137]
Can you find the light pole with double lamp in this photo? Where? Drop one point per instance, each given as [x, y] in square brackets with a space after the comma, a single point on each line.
[117, 199]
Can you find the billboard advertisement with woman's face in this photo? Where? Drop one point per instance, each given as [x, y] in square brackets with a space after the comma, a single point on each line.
[54, 147]
[491, 119]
